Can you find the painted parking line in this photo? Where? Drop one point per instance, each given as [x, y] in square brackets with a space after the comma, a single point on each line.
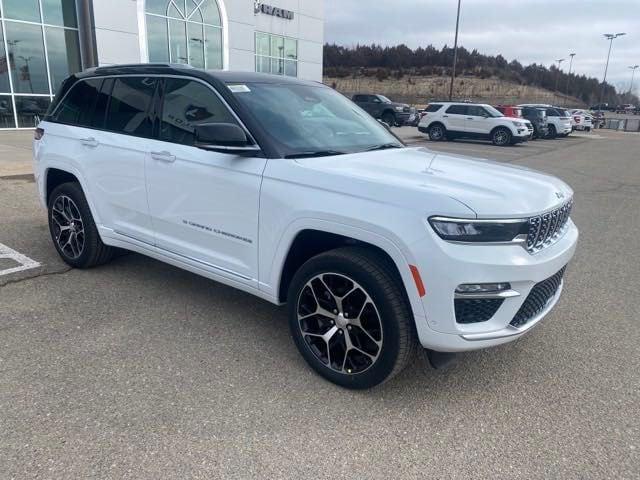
[25, 263]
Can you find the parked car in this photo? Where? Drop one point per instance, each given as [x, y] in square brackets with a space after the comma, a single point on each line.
[381, 108]
[285, 189]
[453, 120]
[625, 108]
[516, 112]
[604, 107]
[538, 119]
[582, 119]
[558, 120]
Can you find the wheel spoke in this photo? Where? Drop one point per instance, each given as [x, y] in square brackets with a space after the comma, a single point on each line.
[350, 347]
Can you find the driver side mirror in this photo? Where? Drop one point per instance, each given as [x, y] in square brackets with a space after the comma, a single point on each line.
[223, 138]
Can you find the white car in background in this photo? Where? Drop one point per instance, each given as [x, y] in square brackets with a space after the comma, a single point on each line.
[450, 120]
[558, 119]
[582, 119]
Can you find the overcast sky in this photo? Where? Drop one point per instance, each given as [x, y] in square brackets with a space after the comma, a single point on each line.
[527, 30]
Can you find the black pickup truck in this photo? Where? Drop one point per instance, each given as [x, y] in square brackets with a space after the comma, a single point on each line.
[381, 108]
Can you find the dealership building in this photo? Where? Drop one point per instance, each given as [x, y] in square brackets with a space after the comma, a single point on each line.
[43, 41]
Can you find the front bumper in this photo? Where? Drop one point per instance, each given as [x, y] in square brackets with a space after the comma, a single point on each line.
[456, 264]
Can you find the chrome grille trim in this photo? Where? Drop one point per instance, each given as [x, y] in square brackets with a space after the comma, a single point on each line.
[545, 230]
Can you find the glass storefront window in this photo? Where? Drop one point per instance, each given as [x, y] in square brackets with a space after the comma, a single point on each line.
[64, 54]
[5, 86]
[60, 12]
[7, 120]
[276, 54]
[28, 10]
[185, 31]
[26, 54]
[31, 110]
[42, 49]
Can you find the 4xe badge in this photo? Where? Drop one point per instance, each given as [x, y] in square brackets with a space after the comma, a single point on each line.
[560, 195]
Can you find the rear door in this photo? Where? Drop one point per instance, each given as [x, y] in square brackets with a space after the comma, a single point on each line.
[204, 204]
[455, 118]
[116, 155]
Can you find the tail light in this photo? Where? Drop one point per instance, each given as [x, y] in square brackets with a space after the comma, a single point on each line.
[422, 115]
[38, 133]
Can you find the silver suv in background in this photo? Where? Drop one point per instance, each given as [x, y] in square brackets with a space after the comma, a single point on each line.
[558, 120]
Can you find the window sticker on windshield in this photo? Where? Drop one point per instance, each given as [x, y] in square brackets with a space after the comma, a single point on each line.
[239, 88]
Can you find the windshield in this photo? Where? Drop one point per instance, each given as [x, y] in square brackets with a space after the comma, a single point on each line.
[493, 111]
[303, 119]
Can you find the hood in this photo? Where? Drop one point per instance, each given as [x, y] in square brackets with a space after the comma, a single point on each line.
[490, 189]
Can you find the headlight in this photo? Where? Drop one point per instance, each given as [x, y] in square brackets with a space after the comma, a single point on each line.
[399, 109]
[480, 231]
[518, 124]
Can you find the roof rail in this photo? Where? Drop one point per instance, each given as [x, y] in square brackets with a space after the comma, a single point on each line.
[140, 65]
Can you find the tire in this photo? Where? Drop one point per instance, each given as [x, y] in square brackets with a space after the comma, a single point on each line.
[501, 137]
[553, 133]
[389, 118]
[384, 331]
[68, 211]
[437, 132]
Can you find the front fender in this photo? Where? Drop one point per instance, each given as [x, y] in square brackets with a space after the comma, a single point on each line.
[399, 253]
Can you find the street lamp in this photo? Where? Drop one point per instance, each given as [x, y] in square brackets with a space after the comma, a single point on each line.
[611, 37]
[559, 60]
[633, 72]
[455, 54]
[569, 74]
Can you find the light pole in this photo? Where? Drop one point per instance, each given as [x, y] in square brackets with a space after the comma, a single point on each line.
[455, 54]
[559, 60]
[569, 74]
[611, 37]
[633, 72]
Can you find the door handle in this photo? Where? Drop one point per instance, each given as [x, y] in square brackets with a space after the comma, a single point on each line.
[89, 142]
[470, 118]
[165, 156]
[445, 116]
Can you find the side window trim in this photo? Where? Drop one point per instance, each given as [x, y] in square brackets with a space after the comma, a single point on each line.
[162, 78]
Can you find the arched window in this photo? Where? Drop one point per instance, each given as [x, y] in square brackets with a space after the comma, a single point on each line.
[185, 31]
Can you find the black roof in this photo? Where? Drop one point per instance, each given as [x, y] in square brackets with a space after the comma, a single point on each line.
[179, 69]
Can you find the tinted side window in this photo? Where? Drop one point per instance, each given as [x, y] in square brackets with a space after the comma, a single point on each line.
[457, 109]
[100, 110]
[552, 113]
[476, 111]
[186, 104]
[129, 106]
[77, 107]
[360, 98]
[433, 107]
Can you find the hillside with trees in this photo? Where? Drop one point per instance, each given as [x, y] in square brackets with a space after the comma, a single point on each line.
[481, 77]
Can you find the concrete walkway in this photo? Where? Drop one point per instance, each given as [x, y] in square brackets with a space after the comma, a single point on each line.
[15, 153]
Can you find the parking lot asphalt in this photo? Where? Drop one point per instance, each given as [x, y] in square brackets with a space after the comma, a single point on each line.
[139, 370]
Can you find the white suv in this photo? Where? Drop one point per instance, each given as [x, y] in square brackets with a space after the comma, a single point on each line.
[289, 191]
[470, 120]
[559, 120]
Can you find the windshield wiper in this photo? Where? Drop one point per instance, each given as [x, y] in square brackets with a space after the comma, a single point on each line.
[384, 146]
[319, 153]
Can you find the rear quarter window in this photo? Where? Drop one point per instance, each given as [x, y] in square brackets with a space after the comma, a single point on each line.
[78, 106]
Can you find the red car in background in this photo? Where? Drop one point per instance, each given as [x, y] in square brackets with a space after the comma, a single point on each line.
[510, 110]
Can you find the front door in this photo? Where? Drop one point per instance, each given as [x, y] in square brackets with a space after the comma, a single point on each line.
[478, 120]
[204, 205]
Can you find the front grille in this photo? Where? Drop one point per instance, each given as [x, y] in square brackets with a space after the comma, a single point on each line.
[538, 299]
[546, 229]
[476, 310]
